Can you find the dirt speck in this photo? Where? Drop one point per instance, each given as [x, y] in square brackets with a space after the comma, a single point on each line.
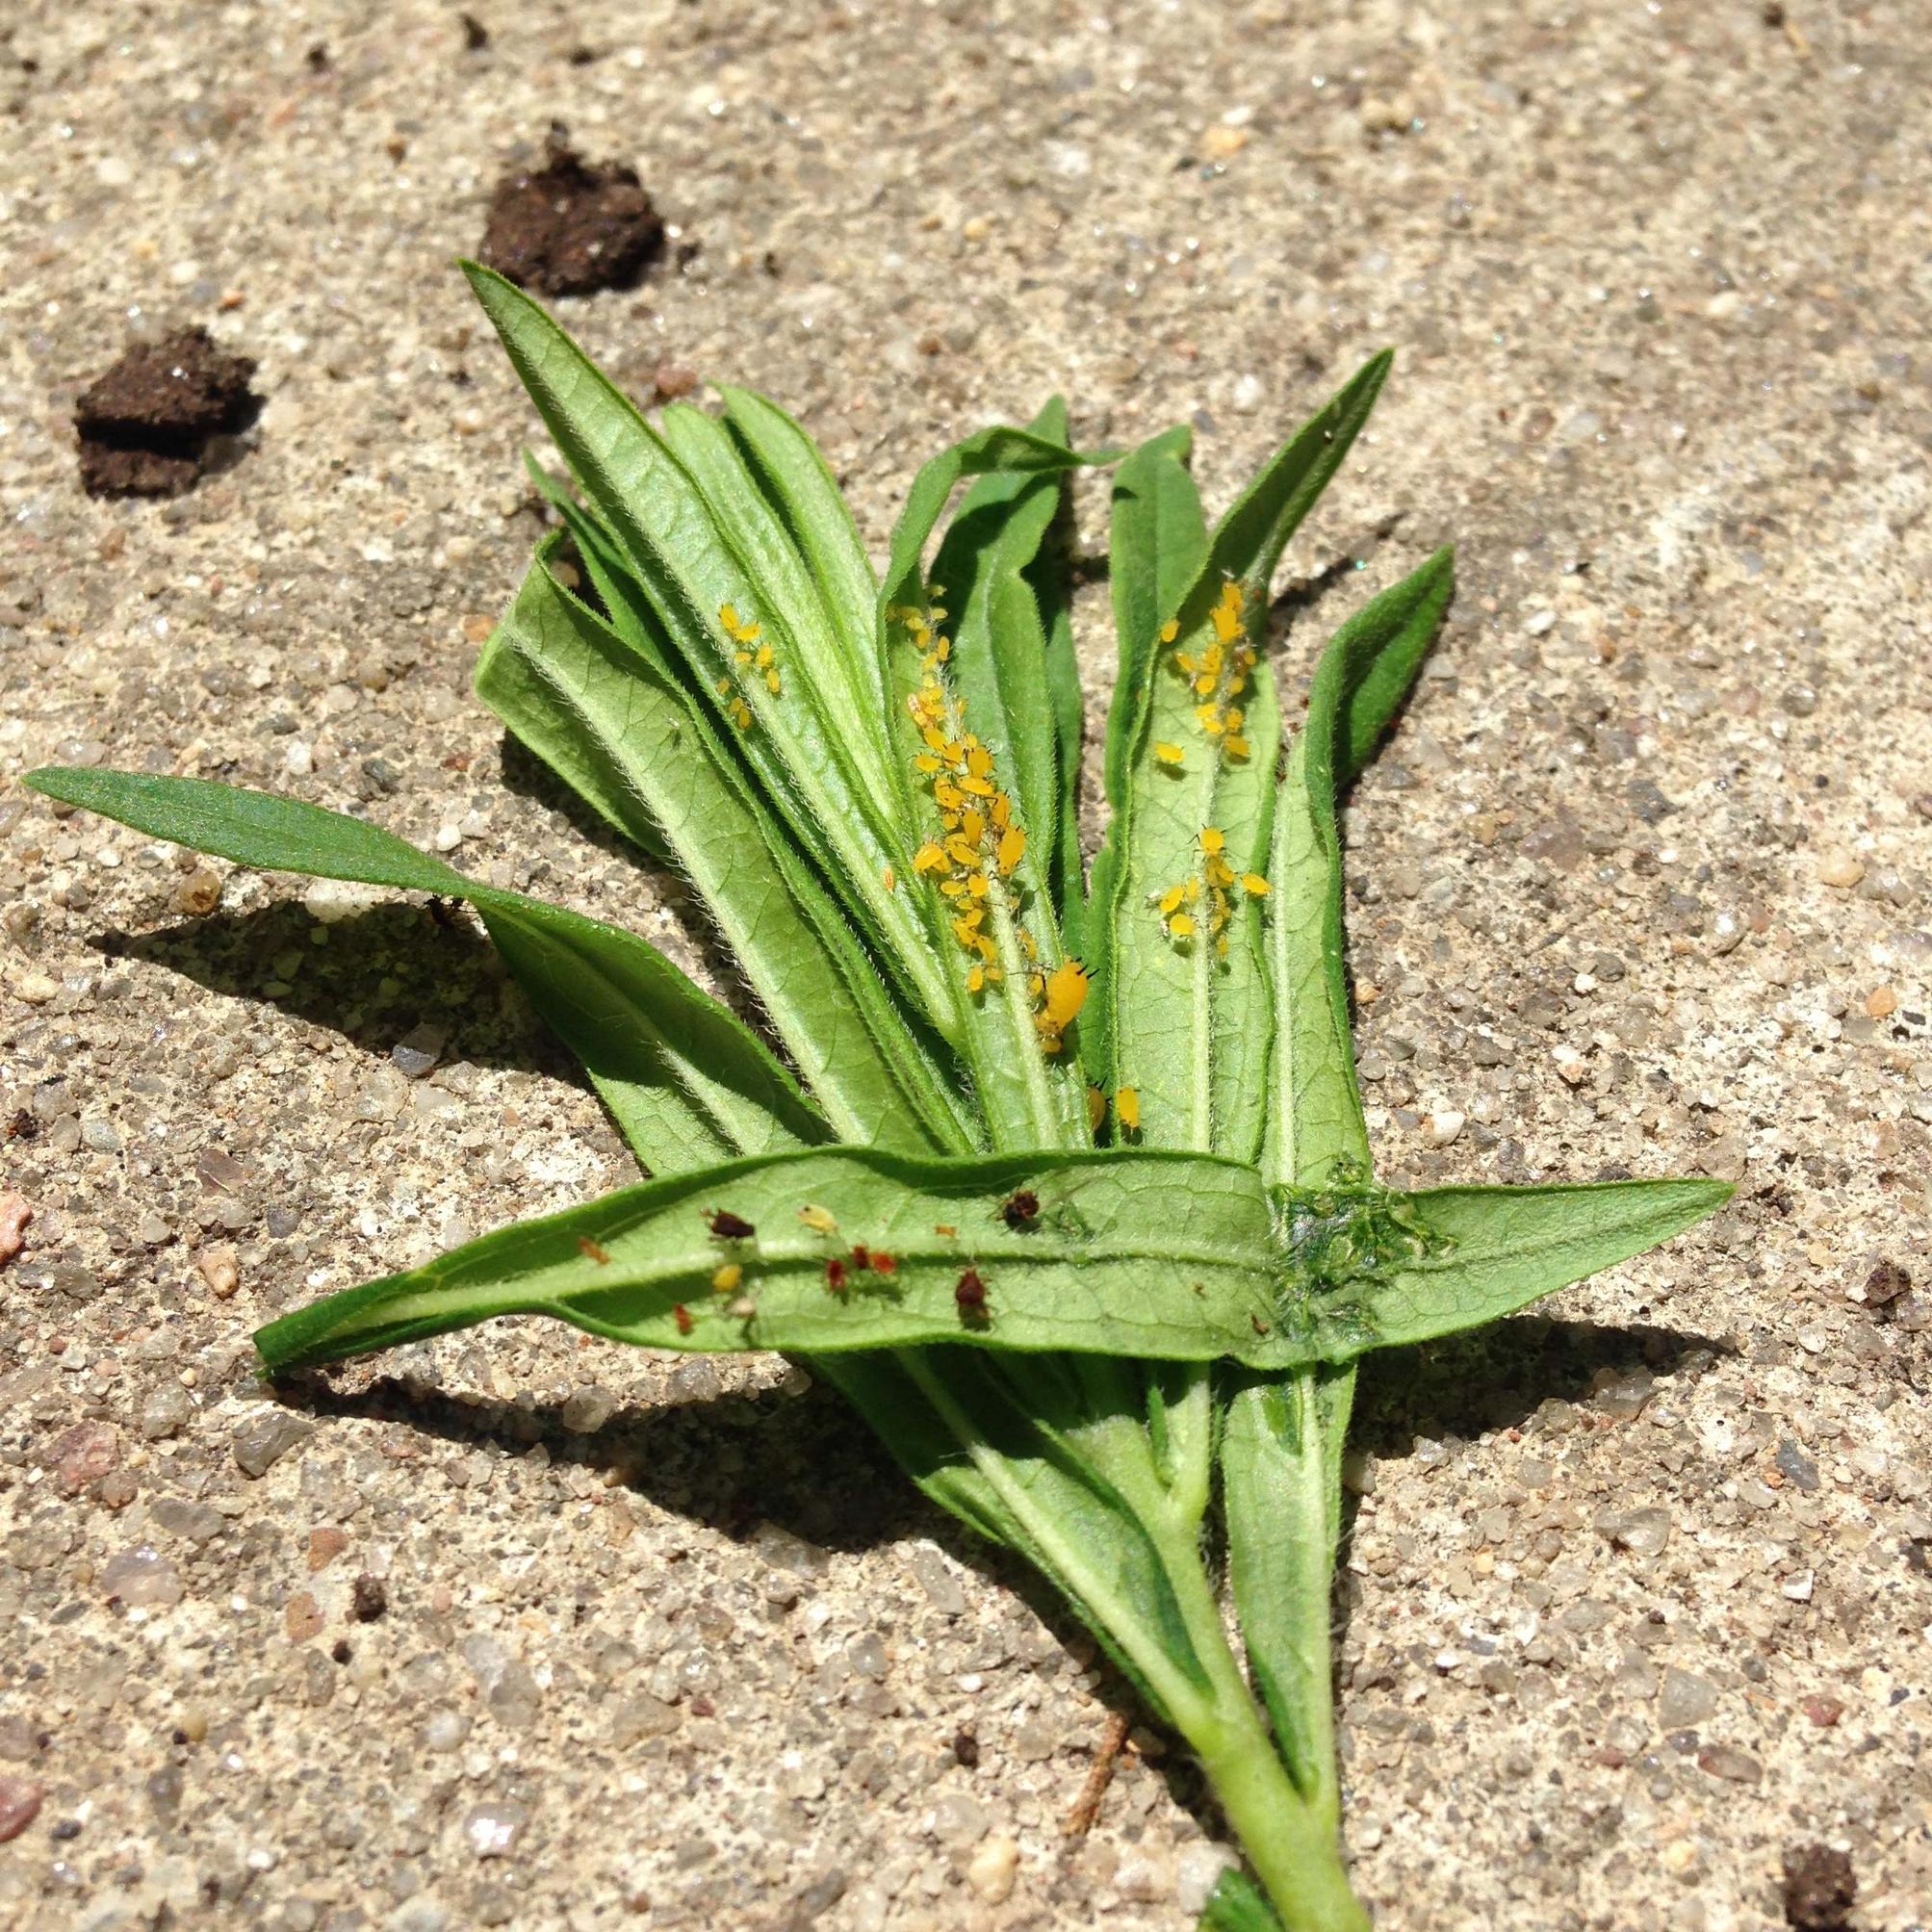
[370, 1598]
[569, 228]
[1819, 1889]
[146, 425]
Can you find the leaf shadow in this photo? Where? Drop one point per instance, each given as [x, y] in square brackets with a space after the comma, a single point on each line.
[795, 1477]
[383, 973]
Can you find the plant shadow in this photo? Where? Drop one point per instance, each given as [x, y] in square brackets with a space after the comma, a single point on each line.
[750, 1464]
[381, 973]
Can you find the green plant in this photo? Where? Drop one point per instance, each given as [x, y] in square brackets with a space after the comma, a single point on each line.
[1063, 1181]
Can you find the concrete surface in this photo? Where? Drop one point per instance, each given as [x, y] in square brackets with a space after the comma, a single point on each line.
[1637, 1596]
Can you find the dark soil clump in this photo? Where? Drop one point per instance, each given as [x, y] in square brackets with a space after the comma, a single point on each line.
[146, 425]
[1819, 1889]
[568, 229]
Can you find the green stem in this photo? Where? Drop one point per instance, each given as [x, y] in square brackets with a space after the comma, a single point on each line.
[1290, 1838]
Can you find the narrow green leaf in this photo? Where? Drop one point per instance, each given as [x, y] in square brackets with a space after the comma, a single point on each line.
[1142, 1254]
[1158, 547]
[1053, 589]
[612, 720]
[675, 1067]
[1315, 1126]
[1280, 1458]
[689, 574]
[799, 481]
[1384, 1269]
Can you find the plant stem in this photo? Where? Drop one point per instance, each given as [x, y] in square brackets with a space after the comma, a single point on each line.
[1290, 1839]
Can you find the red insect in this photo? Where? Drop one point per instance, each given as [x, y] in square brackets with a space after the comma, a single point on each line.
[862, 1256]
[1021, 1209]
[834, 1276]
[592, 1251]
[729, 1227]
[682, 1315]
[885, 1264]
[969, 1295]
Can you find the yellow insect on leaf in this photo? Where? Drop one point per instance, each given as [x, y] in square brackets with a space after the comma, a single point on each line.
[929, 858]
[1012, 850]
[1254, 885]
[1212, 839]
[1127, 1108]
[976, 978]
[728, 616]
[819, 1219]
[726, 1280]
[1170, 900]
[1066, 994]
[1170, 754]
[891, 879]
[1096, 1109]
[1170, 631]
[1181, 926]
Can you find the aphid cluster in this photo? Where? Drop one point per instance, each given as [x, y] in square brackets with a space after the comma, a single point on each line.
[752, 654]
[1210, 887]
[982, 843]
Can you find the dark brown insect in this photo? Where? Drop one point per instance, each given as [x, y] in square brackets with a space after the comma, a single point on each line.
[729, 1226]
[444, 913]
[23, 1127]
[1021, 1209]
[1259, 1326]
[969, 1296]
[834, 1276]
[883, 1264]
[862, 1256]
[592, 1251]
[682, 1315]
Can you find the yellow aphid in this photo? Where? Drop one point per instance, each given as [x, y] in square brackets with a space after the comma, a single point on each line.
[976, 979]
[929, 858]
[1181, 926]
[1000, 811]
[1035, 986]
[891, 879]
[980, 788]
[1254, 885]
[1066, 994]
[1012, 850]
[1237, 747]
[1096, 1109]
[926, 762]
[936, 739]
[1220, 873]
[741, 657]
[977, 885]
[728, 616]
[962, 851]
[966, 926]
[741, 714]
[726, 1280]
[979, 760]
[1211, 839]
[1127, 1108]
[1170, 631]
[1186, 662]
[1171, 900]
[972, 825]
[1170, 754]
[772, 682]
[763, 656]
[953, 889]
[1226, 624]
[819, 1219]
[724, 688]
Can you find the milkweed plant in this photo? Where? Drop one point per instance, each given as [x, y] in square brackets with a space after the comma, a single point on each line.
[1061, 1174]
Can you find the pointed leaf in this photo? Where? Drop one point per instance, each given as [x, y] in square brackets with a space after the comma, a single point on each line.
[1387, 1269]
[689, 574]
[675, 1067]
[610, 718]
[1142, 1254]
[1315, 1127]
[1156, 548]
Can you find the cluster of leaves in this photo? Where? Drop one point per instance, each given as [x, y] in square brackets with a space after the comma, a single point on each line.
[1062, 1177]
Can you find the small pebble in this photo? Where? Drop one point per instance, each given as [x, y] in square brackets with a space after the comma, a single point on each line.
[993, 1869]
[1685, 1699]
[1840, 870]
[1725, 1760]
[587, 1410]
[262, 1441]
[19, 1805]
[14, 1214]
[140, 1578]
[166, 1413]
[217, 1266]
[418, 1051]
